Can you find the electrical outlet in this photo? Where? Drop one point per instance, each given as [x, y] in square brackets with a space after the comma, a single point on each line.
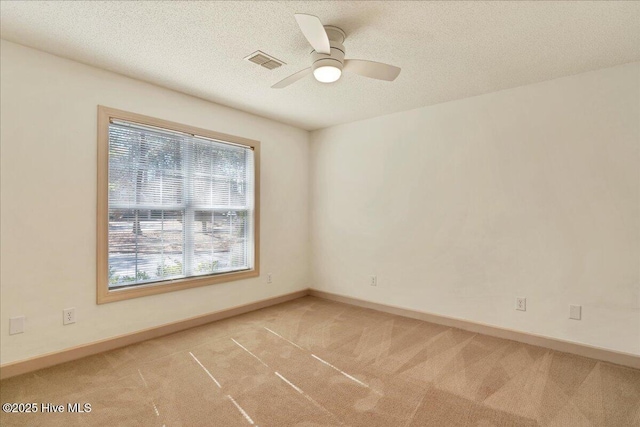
[68, 316]
[16, 325]
[269, 279]
[575, 312]
[373, 281]
[521, 304]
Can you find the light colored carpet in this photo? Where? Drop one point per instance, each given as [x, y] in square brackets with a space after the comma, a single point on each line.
[312, 362]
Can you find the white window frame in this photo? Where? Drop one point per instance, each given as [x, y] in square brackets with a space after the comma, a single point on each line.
[104, 293]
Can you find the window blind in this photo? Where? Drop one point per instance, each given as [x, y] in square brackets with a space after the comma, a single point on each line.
[179, 205]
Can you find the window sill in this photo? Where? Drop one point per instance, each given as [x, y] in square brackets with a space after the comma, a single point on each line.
[173, 285]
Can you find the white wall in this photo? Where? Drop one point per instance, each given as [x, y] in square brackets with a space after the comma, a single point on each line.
[461, 207]
[48, 225]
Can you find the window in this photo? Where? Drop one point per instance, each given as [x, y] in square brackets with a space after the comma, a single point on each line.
[177, 206]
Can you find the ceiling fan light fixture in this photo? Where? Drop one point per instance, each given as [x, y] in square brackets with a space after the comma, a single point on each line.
[327, 74]
[327, 56]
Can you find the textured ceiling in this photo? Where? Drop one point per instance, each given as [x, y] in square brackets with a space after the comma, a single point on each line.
[447, 50]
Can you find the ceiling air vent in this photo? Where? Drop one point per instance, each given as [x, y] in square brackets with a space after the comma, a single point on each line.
[264, 60]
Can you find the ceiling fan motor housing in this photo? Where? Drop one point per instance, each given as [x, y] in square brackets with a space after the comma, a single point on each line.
[336, 57]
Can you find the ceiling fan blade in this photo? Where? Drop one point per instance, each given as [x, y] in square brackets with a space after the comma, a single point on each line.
[314, 31]
[374, 70]
[291, 79]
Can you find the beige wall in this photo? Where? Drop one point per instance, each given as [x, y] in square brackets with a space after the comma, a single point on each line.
[48, 201]
[457, 208]
[461, 207]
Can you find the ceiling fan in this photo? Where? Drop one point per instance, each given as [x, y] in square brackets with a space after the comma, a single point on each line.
[328, 56]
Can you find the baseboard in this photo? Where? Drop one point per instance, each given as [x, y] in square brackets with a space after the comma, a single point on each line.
[44, 361]
[619, 358]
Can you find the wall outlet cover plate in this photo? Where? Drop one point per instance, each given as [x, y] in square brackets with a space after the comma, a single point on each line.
[575, 312]
[16, 325]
